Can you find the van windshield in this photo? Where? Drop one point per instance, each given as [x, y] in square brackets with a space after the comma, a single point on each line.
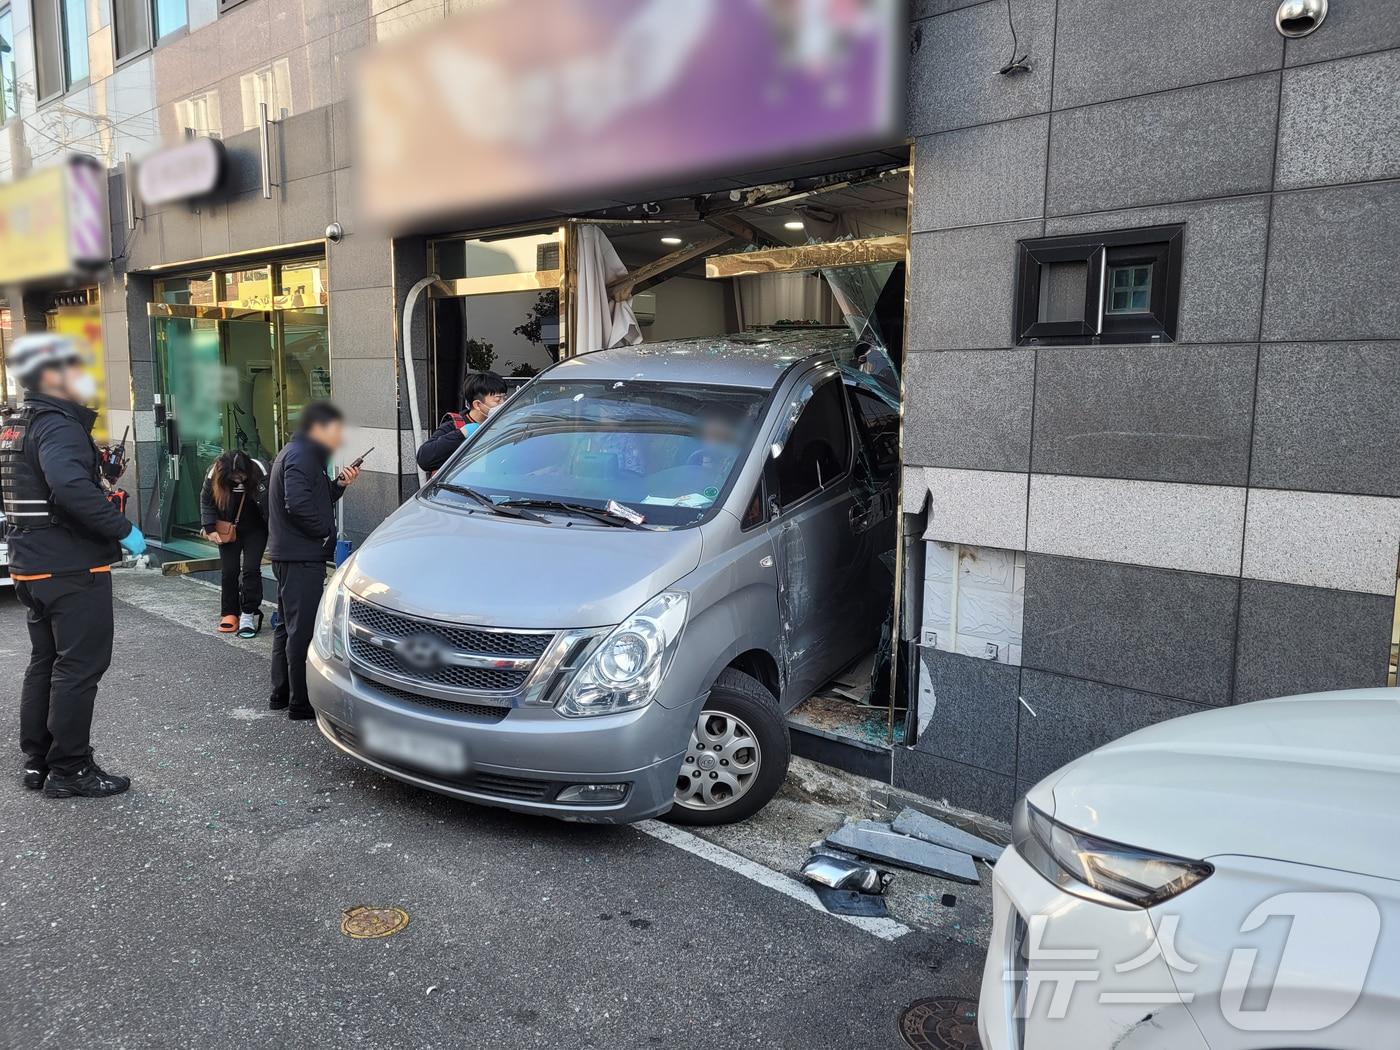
[668, 451]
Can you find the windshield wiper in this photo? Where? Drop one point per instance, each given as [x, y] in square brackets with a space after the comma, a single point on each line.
[598, 514]
[502, 509]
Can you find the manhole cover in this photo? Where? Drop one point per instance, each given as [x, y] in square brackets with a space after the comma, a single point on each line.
[364, 922]
[940, 1024]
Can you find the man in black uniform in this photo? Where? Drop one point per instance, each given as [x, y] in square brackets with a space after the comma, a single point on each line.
[301, 500]
[482, 394]
[63, 536]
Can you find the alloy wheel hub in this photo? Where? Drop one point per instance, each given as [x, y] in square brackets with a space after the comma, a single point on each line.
[721, 763]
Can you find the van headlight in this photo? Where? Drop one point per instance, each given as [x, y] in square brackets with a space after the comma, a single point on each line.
[1077, 862]
[626, 669]
[331, 617]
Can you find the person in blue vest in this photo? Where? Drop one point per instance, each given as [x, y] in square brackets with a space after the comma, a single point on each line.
[483, 393]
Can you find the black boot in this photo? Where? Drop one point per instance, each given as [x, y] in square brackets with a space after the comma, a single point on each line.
[277, 703]
[88, 782]
[34, 775]
[301, 714]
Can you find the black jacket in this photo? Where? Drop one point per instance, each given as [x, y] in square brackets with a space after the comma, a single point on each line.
[59, 449]
[445, 440]
[254, 508]
[301, 501]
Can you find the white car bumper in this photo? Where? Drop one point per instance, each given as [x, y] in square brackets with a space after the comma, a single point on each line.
[1063, 972]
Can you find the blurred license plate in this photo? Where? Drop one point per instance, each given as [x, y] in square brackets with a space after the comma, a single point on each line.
[416, 749]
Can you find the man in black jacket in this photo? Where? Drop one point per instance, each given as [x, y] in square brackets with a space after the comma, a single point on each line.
[483, 393]
[301, 500]
[63, 536]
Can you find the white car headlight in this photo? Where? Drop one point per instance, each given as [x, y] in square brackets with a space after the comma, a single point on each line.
[331, 617]
[1076, 862]
[627, 667]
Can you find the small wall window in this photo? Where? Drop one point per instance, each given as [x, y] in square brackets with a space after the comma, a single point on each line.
[1120, 287]
[60, 45]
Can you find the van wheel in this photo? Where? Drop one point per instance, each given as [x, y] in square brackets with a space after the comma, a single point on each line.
[738, 754]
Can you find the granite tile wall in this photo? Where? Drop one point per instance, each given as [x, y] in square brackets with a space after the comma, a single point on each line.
[1207, 522]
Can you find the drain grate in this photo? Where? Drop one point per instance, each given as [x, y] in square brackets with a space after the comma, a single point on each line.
[364, 922]
[940, 1024]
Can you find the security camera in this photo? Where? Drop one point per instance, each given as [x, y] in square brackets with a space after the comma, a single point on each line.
[335, 233]
[1300, 17]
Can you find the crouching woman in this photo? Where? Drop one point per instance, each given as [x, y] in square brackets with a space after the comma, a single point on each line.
[233, 514]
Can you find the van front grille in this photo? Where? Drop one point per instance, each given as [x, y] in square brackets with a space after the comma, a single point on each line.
[521, 644]
[476, 679]
[464, 642]
[486, 713]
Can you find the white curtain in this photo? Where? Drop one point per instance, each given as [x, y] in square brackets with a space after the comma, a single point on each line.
[768, 298]
[600, 323]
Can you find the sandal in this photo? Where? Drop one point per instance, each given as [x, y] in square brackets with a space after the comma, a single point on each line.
[228, 624]
[249, 624]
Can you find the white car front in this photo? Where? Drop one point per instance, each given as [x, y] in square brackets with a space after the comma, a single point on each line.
[1230, 879]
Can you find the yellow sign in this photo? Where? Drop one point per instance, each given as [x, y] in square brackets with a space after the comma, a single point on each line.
[34, 227]
[83, 324]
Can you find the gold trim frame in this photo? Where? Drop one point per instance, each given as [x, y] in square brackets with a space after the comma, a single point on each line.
[539, 280]
[825, 256]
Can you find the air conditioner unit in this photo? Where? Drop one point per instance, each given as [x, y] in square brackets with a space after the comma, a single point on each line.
[644, 306]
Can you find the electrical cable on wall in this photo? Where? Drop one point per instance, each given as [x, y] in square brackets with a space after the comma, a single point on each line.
[1014, 64]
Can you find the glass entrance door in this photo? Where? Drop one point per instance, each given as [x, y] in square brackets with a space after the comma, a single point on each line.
[232, 373]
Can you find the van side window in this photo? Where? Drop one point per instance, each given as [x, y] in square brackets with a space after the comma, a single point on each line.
[818, 450]
[878, 425]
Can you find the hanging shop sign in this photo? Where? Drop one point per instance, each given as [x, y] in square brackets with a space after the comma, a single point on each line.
[534, 99]
[54, 222]
[188, 171]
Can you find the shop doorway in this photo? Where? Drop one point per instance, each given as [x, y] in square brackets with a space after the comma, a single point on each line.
[826, 256]
[499, 307]
[238, 353]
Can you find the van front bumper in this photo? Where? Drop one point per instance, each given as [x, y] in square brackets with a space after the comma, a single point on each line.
[518, 758]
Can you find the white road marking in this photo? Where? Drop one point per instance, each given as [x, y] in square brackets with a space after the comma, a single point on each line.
[885, 929]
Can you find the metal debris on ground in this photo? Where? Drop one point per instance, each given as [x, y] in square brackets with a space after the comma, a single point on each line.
[940, 1024]
[363, 922]
[876, 841]
[940, 833]
[839, 874]
[852, 902]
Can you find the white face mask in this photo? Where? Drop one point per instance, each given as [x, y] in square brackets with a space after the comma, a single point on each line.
[83, 386]
[494, 409]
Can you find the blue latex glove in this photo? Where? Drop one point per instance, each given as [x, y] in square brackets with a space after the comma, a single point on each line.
[135, 542]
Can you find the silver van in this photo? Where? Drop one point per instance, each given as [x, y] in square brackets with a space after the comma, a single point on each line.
[604, 605]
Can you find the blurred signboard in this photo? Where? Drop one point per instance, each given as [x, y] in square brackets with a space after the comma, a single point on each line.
[54, 222]
[555, 100]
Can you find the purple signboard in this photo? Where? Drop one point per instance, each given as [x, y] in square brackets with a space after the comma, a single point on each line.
[550, 99]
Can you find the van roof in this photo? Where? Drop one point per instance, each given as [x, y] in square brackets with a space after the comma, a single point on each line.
[748, 359]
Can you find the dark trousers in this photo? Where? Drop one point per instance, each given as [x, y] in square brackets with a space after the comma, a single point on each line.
[70, 636]
[241, 562]
[299, 587]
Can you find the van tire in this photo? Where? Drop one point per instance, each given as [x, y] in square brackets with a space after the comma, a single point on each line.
[745, 698]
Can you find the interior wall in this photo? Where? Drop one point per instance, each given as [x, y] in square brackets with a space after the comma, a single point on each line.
[689, 306]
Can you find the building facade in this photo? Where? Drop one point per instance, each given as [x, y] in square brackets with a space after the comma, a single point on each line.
[1184, 497]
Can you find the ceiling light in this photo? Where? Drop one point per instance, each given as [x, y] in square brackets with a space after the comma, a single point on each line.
[796, 224]
[671, 240]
